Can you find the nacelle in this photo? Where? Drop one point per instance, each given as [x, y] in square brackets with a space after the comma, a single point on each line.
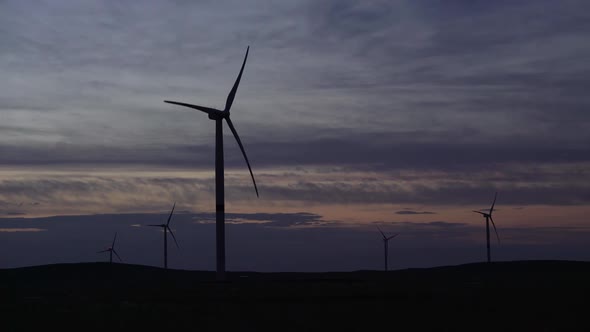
[216, 115]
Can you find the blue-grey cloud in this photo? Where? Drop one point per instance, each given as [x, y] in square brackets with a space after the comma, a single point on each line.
[98, 73]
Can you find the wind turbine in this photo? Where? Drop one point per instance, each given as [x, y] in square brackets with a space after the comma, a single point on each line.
[488, 217]
[218, 116]
[111, 250]
[386, 244]
[167, 228]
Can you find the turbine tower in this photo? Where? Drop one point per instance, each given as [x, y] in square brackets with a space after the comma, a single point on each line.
[488, 218]
[218, 116]
[111, 250]
[386, 245]
[167, 228]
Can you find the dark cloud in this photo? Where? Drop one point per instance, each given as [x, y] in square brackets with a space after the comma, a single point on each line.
[386, 152]
[15, 214]
[410, 212]
[421, 226]
[444, 224]
[377, 151]
[262, 247]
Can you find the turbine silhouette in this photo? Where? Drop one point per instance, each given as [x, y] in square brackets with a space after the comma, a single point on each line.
[111, 250]
[488, 218]
[386, 245]
[218, 116]
[167, 228]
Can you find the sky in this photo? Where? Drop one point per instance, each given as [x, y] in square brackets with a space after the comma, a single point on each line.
[405, 115]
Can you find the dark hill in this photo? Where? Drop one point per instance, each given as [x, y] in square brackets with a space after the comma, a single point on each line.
[524, 295]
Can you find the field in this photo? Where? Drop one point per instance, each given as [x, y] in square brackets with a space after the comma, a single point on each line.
[505, 296]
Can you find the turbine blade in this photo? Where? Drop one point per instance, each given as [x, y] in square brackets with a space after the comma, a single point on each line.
[155, 225]
[115, 252]
[234, 89]
[382, 234]
[207, 110]
[495, 230]
[233, 130]
[479, 212]
[391, 237]
[98, 252]
[170, 216]
[494, 203]
[114, 239]
[173, 237]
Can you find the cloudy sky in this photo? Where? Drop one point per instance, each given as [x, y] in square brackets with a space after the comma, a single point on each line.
[403, 114]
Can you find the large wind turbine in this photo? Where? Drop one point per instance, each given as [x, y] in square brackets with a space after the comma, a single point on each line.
[386, 244]
[167, 228]
[111, 250]
[218, 116]
[488, 217]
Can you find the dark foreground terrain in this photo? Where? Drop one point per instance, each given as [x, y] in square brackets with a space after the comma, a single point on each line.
[507, 296]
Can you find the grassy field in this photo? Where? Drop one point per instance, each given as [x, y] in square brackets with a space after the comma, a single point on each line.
[506, 296]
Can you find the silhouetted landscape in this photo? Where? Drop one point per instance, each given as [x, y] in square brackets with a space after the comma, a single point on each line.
[524, 295]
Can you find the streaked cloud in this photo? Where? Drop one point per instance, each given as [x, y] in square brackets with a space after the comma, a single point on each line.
[105, 190]
[20, 230]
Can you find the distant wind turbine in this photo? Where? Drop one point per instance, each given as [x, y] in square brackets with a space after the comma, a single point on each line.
[218, 116]
[488, 218]
[386, 244]
[167, 228]
[111, 250]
